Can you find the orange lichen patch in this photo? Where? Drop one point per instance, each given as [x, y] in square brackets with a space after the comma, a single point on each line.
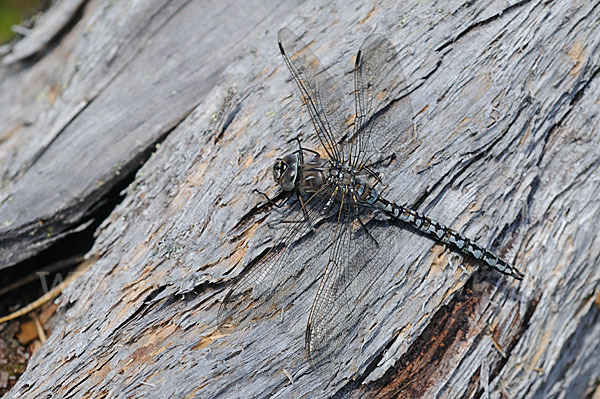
[271, 154]
[241, 248]
[350, 120]
[368, 16]
[438, 259]
[465, 120]
[196, 177]
[541, 344]
[194, 393]
[142, 277]
[475, 206]
[53, 92]
[178, 201]
[101, 372]
[382, 94]
[577, 54]
[248, 162]
[128, 301]
[207, 340]
[458, 286]
[597, 301]
[422, 111]
[144, 354]
[10, 132]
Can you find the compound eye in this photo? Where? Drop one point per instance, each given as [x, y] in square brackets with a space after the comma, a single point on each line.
[279, 169]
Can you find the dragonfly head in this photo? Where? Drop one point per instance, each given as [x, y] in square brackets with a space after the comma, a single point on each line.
[285, 171]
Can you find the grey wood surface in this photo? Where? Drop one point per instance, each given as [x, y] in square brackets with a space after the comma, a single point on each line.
[505, 97]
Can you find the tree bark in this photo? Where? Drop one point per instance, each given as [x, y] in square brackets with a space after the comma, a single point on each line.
[506, 150]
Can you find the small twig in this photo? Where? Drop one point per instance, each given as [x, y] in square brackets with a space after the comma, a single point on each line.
[39, 328]
[50, 295]
[59, 265]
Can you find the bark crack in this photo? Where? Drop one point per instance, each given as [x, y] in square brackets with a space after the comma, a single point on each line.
[481, 23]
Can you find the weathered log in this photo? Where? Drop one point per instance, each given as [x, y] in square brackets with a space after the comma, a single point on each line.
[505, 97]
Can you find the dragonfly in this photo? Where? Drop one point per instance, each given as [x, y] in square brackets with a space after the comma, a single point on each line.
[340, 203]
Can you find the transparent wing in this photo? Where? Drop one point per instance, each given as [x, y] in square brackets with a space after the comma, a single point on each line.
[321, 94]
[266, 280]
[350, 282]
[383, 109]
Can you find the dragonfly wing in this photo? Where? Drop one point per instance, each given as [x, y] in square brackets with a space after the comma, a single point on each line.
[321, 94]
[266, 280]
[383, 109]
[349, 285]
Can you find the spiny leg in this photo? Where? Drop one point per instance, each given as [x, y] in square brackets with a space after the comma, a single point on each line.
[301, 150]
[270, 201]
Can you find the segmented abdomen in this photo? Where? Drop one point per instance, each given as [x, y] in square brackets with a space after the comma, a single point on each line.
[446, 235]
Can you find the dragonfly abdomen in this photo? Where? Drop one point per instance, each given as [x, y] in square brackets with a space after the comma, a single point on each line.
[448, 236]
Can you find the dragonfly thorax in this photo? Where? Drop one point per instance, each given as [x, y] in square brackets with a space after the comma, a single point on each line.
[292, 172]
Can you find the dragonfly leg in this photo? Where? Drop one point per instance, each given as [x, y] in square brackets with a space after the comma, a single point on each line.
[305, 217]
[304, 212]
[366, 230]
[387, 161]
[270, 201]
[302, 149]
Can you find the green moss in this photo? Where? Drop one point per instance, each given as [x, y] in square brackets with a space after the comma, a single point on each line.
[13, 12]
